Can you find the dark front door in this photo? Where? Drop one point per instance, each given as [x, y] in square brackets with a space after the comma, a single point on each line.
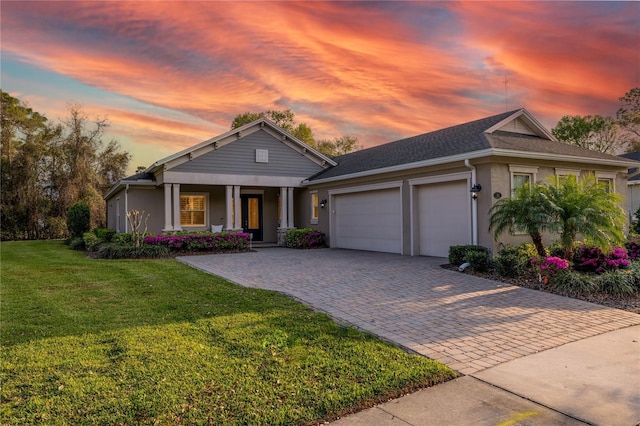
[252, 215]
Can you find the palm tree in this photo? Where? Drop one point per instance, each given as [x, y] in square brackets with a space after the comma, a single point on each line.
[527, 211]
[583, 207]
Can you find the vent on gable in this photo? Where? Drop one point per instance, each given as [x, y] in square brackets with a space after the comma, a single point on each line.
[262, 156]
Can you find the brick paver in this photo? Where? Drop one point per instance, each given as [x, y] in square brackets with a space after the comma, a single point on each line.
[466, 322]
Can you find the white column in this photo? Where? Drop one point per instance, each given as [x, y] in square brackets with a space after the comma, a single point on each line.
[238, 212]
[290, 208]
[176, 207]
[229, 206]
[284, 222]
[167, 207]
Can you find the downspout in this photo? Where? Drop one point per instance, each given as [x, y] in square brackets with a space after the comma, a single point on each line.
[126, 209]
[474, 205]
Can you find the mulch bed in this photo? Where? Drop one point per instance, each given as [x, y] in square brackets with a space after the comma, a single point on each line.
[630, 303]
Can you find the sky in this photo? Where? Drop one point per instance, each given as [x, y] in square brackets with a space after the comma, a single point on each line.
[168, 75]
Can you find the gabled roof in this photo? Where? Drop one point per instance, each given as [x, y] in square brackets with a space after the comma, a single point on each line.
[514, 133]
[235, 134]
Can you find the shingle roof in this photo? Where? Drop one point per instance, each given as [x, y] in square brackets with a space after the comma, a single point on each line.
[633, 156]
[451, 141]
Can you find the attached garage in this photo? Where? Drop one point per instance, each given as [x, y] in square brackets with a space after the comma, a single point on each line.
[367, 219]
[443, 213]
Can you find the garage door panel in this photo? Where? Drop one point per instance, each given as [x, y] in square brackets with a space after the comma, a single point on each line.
[368, 220]
[444, 217]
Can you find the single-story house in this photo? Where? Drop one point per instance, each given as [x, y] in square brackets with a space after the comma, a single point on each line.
[415, 196]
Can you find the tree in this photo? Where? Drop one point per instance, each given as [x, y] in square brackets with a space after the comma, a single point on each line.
[592, 132]
[46, 168]
[525, 211]
[628, 116]
[339, 146]
[584, 207]
[286, 121]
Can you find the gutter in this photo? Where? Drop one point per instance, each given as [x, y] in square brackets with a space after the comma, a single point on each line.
[474, 205]
[126, 208]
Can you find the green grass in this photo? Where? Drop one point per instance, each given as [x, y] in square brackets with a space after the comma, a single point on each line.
[88, 341]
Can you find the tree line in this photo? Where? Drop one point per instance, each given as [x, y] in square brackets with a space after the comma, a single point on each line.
[610, 135]
[47, 167]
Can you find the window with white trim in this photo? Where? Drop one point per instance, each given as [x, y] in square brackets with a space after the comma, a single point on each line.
[193, 210]
[314, 207]
[522, 175]
[607, 180]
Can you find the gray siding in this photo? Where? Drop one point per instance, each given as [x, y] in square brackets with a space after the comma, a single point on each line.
[239, 157]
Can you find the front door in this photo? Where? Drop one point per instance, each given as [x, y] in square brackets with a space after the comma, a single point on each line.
[252, 215]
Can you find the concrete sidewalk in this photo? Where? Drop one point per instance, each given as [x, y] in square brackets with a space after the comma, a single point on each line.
[592, 381]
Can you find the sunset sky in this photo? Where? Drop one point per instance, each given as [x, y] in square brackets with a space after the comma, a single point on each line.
[168, 75]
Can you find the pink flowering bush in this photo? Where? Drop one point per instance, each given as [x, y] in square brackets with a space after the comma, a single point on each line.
[588, 258]
[201, 241]
[305, 238]
[633, 248]
[548, 266]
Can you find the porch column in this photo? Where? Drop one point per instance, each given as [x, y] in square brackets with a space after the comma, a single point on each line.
[284, 209]
[167, 208]
[229, 206]
[290, 208]
[236, 205]
[176, 207]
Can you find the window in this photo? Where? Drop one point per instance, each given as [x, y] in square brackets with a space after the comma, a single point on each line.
[522, 175]
[193, 210]
[607, 180]
[314, 207]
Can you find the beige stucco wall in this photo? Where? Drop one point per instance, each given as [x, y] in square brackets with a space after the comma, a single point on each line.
[494, 176]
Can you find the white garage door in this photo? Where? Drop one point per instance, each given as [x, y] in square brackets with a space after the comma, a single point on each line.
[369, 220]
[444, 217]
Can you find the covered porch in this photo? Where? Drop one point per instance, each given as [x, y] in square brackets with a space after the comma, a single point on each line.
[264, 212]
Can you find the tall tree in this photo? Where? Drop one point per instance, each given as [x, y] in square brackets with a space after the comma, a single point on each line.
[628, 116]
[286, 121]
[592, 132]
[339, 146]
[45, 168]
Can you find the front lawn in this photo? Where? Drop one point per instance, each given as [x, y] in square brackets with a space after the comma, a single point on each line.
[156, 342]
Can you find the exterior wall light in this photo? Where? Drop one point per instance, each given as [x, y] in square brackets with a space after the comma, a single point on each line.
[323, 203]
[474, 190]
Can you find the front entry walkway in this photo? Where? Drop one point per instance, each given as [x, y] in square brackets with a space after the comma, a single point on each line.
[465, 322]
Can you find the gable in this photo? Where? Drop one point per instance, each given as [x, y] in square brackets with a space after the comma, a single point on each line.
[259, 153]
[518, 126]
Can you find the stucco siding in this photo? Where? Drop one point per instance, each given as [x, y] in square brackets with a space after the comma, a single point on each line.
[239, 157]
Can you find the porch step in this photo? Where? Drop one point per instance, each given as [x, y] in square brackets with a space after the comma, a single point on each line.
[261, 244]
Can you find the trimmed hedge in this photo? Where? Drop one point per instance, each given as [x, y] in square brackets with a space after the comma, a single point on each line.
[201, 241]
[305, 238]
[129, 251]
[458, 254]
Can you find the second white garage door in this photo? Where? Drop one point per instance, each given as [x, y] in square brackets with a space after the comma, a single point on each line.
[444, 217]
[369, 220]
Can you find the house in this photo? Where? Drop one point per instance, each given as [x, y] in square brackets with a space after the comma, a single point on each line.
[633, 185]
[415, 196]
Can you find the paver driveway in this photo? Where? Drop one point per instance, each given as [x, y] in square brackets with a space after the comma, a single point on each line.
[466, 322]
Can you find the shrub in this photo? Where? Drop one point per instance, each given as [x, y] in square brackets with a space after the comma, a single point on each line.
[201, 241]
[633, 248]
[479, 260]
[304, 238]
[78, 219]
[617, 283]
[572, 283]
[105, 234]
[91, 241]
[458, 254]
[129, 251]
[590, 258]
[514, 261]
[123, 238]
[76, 243]
[635, 224]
